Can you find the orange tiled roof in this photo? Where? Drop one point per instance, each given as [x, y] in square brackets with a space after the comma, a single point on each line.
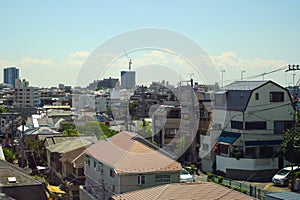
[127, 155]
[206, 190]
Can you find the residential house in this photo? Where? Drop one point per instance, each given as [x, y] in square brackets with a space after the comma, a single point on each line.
[125, 162]
[17, 184]
[73, 171]
[249, 118]
[188, 191]
[55, 151]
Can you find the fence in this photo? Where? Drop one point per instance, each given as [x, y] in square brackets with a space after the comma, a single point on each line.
[244, 187]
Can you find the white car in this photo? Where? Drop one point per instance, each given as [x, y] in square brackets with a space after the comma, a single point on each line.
[185, 176]
[283, 176]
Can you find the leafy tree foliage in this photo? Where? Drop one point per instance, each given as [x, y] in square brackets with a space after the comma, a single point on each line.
[9, 155]
[70, 133]
[291, 144]
[67, 126]
[2, 110]
[145, 130]
[97, 128]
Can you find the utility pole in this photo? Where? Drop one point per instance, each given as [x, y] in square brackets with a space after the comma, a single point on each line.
[293, 68]
[242, 71]
[222, 71]
[22, 144]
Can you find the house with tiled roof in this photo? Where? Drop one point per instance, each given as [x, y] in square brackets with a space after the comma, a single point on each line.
[125, 162]
[73, 171]
[55, 151]
[17, 184]
[249, 119]
[187, 191]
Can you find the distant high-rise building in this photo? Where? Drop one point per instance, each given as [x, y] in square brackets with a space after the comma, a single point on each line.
[127, 79]
[10, 75]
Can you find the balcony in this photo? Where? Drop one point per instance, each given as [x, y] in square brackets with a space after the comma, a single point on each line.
[224, 163]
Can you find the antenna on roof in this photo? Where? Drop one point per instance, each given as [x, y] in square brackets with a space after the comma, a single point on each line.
[130, 61]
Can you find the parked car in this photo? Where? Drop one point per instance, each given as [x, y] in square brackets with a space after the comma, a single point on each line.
[185, 176]
[283, 176]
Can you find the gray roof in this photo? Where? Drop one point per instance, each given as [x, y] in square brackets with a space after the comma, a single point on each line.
[237, 100]
[26, 186]
[238, 94]
[284, 195]
[69, 145]
[244, 85]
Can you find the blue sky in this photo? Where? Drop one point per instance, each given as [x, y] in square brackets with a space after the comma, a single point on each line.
[40, 37]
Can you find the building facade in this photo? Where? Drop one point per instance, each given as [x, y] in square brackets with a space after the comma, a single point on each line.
[128, 79]
[10, 74]
[26, 96]
[249, 119]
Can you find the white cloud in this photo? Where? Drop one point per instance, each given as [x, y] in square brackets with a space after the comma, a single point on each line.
[79, 54]
[233, 64]
[29, 61]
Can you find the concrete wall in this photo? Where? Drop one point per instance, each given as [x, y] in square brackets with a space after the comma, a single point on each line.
[224, 163]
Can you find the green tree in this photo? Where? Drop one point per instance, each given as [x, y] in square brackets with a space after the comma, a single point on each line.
[70, 133]
[97, 128]
[9, 155]
[291, 144]
[145, 130]
[2, 110]
[67, 126]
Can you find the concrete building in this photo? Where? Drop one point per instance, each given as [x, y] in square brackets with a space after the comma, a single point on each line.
[26, 96]
[249, 117]
[128, 79]
[10, 74]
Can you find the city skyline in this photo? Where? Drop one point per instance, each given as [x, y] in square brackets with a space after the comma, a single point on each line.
[49, 41]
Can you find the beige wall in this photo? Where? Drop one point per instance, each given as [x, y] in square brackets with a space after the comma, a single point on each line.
[129, 182]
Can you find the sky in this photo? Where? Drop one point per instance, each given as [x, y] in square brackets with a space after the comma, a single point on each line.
[49, 41]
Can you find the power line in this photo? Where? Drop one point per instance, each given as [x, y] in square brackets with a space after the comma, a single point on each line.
[258, 75]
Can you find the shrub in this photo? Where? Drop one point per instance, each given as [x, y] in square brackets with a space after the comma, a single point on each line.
[209, 176]
[297, 174]
[220, 179]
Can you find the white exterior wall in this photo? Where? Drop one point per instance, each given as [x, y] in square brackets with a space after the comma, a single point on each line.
[224, 163]
[257, 110]
[86, 100]
[100, 103]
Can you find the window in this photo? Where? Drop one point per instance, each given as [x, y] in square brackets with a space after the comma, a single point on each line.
[223, 148]
[250, 152]
[88, 162]
[281, 126]
[266, 152]
[276, 96]
[255, 125]
[141, 179]
[80, 172]
[100, 167]
[237, 125]
[112, 173]
[165, 178]
[95, 164]
[256, 96]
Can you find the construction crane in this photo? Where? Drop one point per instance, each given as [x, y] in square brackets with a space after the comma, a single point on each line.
[129, 59]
